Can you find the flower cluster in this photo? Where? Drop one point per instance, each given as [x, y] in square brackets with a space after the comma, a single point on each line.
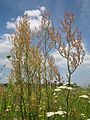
[84, 96]
[49, 114]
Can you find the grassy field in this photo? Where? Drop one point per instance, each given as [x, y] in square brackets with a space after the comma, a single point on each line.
[57, 103]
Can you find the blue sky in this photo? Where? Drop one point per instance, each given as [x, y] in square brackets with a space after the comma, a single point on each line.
[11, 9]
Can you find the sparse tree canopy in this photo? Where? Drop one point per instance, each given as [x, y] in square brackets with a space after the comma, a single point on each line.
[68, 41]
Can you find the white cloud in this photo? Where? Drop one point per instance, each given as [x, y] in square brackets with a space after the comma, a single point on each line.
[5, 47]
[42, 8]
[4, 37]
[33, 13]
[81, 76]
[35, 18]
[10, 25]
[86, 63]
[59, 60]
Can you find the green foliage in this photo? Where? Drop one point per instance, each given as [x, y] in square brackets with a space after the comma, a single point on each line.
[79, 105]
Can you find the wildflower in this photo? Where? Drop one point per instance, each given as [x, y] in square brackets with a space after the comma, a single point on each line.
[88, 119]
[40, 108]
[84, 96]
[82, 114]
[63, 116]
[7, 110]
[56, 96]
[49, 114]
[57, 90]
[69, 88]
[60, 108]
[60, 112]
[62, 87]
[54, 93]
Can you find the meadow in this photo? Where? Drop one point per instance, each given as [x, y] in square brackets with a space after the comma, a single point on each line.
[35, 90]
[43, 107]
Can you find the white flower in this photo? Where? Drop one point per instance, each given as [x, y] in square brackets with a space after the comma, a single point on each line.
[7, 109]
[56, 96]
[60, 112]
[63, 116]
[62, 87]
[54, 93]
[65, 87]
[69, 88]
[57, 90]
[84, 96]
[88, 119]
[49, 114]
[60, 108]
[82, 114]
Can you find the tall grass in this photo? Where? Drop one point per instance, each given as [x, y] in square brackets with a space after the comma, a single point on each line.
[78, 103]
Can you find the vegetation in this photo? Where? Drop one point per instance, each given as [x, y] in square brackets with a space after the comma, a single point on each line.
[32, 92]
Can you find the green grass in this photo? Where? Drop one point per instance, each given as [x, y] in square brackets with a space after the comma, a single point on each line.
[78, 107]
